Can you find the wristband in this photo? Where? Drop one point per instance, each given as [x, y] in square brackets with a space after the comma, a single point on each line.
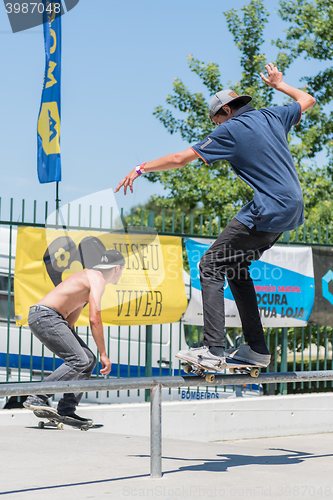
[140, 169]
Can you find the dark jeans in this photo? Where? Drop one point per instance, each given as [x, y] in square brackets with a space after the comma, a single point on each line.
[54, 332]
[230, 256]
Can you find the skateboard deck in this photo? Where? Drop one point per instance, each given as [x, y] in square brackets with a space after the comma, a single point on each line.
[55, 420]
[233, 365]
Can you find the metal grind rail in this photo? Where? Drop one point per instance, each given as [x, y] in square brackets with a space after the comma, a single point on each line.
[155, 385]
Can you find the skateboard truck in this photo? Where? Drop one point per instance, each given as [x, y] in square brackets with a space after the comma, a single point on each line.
[50, 423]
[209, 377]
[254, 372]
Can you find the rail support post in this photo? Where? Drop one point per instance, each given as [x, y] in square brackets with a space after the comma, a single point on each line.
[155, 431]
[148, 365]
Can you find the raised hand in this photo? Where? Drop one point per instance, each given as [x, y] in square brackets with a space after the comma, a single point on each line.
[275, 76]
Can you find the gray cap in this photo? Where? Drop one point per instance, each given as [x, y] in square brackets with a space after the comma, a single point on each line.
[110, 258]
[225, 97]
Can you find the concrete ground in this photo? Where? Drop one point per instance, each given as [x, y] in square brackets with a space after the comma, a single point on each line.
[71, 464]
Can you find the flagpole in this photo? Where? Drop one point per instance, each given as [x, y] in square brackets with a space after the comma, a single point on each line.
[48, 125]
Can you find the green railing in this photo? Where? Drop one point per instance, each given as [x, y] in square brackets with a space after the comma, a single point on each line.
[300, 348]
[209, 226]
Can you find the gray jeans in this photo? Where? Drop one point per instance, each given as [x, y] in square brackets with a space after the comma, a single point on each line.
[54, 332]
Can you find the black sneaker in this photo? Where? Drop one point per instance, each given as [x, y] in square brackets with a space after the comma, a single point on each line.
[77, 418]
[246, 354]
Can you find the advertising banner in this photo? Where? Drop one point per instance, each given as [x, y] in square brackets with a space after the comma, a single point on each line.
[151, 289]
[283, 280]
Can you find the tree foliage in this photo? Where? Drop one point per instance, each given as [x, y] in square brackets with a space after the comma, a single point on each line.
[309, 36]
[216, 189]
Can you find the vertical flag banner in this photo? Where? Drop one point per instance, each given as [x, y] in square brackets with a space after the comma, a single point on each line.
[48, 128]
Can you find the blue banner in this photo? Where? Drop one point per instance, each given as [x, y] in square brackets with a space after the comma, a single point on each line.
[48, 128]
[283, 280]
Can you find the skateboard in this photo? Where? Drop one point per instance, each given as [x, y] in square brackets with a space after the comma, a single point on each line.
[236, 366]
[55, 420]
[233, 365]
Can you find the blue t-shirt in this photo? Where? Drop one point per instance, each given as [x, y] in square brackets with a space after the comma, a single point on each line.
[254, 142]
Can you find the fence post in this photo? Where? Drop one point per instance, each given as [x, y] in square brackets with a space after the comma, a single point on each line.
[149, 328]
[284, 357]
[156, 431]
[9, 288]
[148, 364]
[151, 219]
[286, 237]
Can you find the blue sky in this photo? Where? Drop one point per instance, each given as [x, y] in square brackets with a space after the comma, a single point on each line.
[119, 61]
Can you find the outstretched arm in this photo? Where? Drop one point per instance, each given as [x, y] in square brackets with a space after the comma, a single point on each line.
[164, 163]
[275, 80]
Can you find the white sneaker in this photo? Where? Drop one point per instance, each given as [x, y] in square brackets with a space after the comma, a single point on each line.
[246, 354]
[203, 356]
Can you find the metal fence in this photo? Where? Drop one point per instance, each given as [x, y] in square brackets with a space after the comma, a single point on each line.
[138, 351]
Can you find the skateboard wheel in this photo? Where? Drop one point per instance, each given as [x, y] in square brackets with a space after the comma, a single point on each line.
[187, 368]
[84, 428]
[210, 377]
[60, 426]
[41, 425]
[254, 372]
[232, 370]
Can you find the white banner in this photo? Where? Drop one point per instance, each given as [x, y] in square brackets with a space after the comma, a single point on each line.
[284, 283]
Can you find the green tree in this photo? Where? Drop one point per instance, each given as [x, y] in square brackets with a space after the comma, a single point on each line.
[309, 36]
[200, 183]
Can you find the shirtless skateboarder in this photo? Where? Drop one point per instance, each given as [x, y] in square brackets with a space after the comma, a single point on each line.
[52, 320]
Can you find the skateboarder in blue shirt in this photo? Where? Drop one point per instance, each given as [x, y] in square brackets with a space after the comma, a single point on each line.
[255, 144]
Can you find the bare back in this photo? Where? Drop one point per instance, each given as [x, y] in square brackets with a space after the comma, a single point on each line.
[75, 291]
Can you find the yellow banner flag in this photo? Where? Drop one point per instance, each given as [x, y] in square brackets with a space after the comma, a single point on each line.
[150, 291]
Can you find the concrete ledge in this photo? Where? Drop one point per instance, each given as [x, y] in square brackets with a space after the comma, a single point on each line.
[216, 420]
[256, 417]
